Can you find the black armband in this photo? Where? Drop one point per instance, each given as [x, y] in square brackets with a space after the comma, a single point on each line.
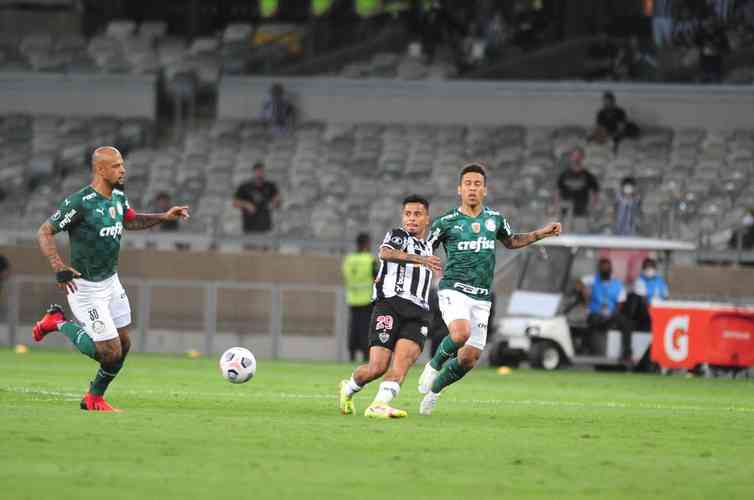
[64, 276]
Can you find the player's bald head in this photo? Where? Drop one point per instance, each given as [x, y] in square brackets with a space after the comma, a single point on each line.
[106, 154]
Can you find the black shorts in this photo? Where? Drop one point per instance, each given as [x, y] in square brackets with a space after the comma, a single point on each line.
[397, 318]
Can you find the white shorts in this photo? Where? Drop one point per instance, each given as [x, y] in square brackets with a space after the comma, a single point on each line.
[101, 306]
[456, 305]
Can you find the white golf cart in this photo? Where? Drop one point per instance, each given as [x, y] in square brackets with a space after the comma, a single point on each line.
[545, 321]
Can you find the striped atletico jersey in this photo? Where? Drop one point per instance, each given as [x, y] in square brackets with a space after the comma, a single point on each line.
[404, 279]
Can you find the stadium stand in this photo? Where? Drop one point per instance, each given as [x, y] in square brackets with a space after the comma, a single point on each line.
[332, 176]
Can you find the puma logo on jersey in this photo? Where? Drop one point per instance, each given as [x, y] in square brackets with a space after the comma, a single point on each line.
[101, 212]
[457, 227]
[67, 218]
[481, 243]
[112, 231]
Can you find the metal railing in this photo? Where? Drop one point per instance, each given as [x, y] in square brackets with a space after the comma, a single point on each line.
[142, 327]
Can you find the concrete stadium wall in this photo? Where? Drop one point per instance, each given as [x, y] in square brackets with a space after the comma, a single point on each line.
[72, 94]
[485, 102]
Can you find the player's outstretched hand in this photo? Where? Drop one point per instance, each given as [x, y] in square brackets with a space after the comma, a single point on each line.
[65, 279]
[433, 262]
[552, 229]
[177, 213]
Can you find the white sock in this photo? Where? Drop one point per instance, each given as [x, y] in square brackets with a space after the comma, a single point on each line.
[388, 390]
[352, 387]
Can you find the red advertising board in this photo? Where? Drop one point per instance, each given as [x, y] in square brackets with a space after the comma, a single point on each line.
[686, 334]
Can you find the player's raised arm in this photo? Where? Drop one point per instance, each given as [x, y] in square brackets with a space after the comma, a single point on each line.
[135, 221]
[521, 240]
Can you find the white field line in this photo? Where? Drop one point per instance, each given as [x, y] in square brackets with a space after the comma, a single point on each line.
[491, 402]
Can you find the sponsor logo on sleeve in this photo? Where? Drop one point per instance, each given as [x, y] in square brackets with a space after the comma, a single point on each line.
[89, 196]
[56, 215]
[67, 218]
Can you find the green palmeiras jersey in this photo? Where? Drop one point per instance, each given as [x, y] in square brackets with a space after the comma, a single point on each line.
[469, 244]
[95, 225]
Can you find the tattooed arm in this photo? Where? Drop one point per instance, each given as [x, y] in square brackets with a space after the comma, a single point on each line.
[135, 221]
[521, 240]
[46, 240]
[392, 255]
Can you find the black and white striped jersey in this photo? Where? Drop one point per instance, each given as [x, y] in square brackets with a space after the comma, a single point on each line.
[404, 279]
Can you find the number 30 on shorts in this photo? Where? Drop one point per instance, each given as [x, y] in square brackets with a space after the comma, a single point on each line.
[384, 322]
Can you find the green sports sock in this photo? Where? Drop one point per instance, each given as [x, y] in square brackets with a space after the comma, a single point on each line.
[79, 338]
[447, 350]
[103, 378]
[452, 372]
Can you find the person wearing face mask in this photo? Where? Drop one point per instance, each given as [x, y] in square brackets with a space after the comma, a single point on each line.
[627, 208]
[745, 233]
[649, 287]
[606, 298]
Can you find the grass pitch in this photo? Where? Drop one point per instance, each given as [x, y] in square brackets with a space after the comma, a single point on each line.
[189, 434]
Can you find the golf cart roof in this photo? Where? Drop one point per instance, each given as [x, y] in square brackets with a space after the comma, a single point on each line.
[615, 242]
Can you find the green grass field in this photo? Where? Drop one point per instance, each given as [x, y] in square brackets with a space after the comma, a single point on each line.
[188, 434]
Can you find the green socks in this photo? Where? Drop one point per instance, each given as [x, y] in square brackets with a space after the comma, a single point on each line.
[84, 343]
[79, 338]
[447, 350]
[451, 372]
[103, 379]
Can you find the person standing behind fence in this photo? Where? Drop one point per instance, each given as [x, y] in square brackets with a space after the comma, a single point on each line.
[359, 270]
[627, 209]
[580, 190]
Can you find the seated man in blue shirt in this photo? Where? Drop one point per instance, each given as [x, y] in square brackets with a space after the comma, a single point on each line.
[649, 287]
[605, 302]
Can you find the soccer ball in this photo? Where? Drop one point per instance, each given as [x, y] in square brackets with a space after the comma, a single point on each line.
[238, 365]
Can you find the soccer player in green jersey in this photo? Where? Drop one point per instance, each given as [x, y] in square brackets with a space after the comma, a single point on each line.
[468, 234]
[95, 218]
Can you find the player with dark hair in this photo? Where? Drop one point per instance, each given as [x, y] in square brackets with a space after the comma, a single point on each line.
[468, 234]
[400, 318]
[95, 218]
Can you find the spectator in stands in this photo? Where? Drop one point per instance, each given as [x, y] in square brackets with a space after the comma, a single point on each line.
[627, 208]
[4, 270]
[600, 60]
[255, 198]
[713, 44]
[612, 123]
[633, 62]
[685, 29]
[526, 25]
[497, 33]
[579, 189]
[162, 203]
[278, 112]
[606, 297]
[359, 270]
[662, 21]
[744, 234]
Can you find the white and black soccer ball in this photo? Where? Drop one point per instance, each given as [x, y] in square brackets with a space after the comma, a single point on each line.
[238, 365]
